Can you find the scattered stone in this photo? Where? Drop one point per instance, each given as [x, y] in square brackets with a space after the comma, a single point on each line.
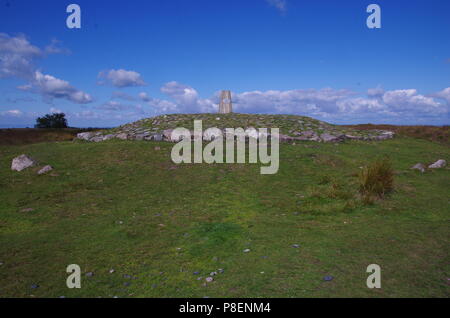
[419, 166]
[127, 276]
[27, 210]
[196, 273]
[34, 286]
[328, 278]
[108, 137]
[213, 274]
[246, 250]
[45, 169]
[122, 136]
[111, 271]
[209, 279]
[295, 246]
[22, 162]
[331, 138]
[89, 274]
[85, 135]
[441, 163]
[221, 270]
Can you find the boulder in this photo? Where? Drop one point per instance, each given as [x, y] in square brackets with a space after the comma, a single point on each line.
[22, 162]
[441, 163]
[419, 166]
[45, 169]
[108, 137]
[156, 137]
[122, 136]
[167, 134]
[85, 135]
[331, 138]
[96, 139]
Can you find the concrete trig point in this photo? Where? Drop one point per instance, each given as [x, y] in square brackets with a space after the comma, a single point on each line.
[225, 105]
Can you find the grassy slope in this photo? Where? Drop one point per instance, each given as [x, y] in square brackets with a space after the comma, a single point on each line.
[214, 212]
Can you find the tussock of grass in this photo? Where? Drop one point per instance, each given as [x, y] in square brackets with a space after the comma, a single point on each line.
[377, 178]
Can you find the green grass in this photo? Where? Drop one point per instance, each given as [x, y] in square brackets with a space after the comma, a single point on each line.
[124, 205]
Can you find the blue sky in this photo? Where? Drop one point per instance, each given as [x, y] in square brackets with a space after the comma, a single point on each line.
[134, 59]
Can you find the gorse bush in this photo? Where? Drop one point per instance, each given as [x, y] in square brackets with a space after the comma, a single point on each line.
[376, 179]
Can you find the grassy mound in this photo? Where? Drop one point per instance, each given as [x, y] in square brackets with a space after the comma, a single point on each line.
[289, 125]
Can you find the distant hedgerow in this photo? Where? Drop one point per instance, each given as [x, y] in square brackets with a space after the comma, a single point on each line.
[376, 179]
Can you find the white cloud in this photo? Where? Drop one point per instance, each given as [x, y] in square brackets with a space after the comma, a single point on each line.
[12, 113]
[17, 57]
[280, 5]
[409, 100]
[121, 78]
[55, 110]
[375, 92]
[444, 94]
[51, 87]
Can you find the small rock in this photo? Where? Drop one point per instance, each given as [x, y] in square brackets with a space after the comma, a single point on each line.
[196, 273]
[89, 274]
[220, 270]
[246, 250]
[328, 278]
[209, 279]
[127, 276]
[213, 274]
[22, 162]
[295, 246]
[111, 271]
[34, 286]
[441, 163]
[27, 210]
[45, 169]
[419, 166]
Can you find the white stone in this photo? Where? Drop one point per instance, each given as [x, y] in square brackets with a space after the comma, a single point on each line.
[441, 163]
[85, 135]
[45, 169]
[22, 162]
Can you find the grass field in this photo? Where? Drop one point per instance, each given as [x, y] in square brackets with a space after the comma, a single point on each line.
[124, 205]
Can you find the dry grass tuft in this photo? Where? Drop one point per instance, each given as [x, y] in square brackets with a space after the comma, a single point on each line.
[376, 179]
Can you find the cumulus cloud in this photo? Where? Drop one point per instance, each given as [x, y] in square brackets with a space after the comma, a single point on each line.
[375, 92]
[313, 101]
[51, 87]
[121, 78]
[17, 56]
[17, 60]
[187, 98]
[444, 94]
[410, 100]
[280, 5]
